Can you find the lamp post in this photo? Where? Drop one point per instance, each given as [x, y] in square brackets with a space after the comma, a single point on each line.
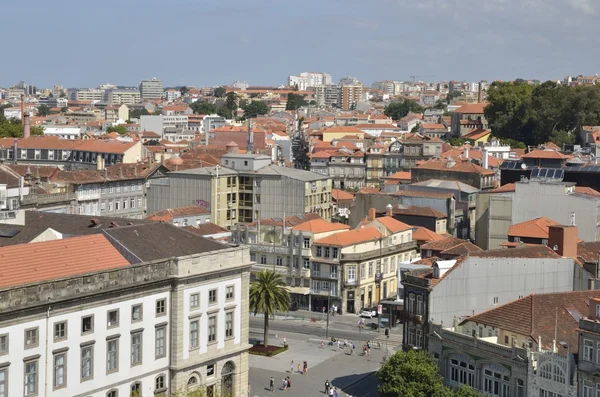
[328, 304]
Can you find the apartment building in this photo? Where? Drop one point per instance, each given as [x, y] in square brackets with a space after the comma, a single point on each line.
[117, 96]
[356, 269]
[122, 318]
[327, 95]
[87, 94]
[350, 95]
[243, 189]
[589, 350]
[70, 153]
[116, 113]
[151, 89]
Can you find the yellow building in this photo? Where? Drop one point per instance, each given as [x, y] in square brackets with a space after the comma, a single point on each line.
[357, 269]
[341, 131]
[479, 137]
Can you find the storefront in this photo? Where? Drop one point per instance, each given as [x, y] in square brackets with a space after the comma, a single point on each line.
[350, 301]
[392, 311]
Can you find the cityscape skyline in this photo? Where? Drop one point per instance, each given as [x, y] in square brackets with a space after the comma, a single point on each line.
[499, 40]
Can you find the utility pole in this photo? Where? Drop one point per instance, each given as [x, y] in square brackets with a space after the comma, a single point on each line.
[328, 311]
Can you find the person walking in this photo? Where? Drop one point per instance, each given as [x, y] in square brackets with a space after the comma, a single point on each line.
[352, 349]
[292, 367]
[299, 371]
[345, 343]
[284, 384]
[335, 393]
[272, 384]
[289, 383]
[338, 344]
[327, 387]
[305, 368]
[330, 392]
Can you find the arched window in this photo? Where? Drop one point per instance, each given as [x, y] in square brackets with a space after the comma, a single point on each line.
[546, 371]
[159, 383]
[136, 389]
[193, 381]
[227, 374]
[112, 393]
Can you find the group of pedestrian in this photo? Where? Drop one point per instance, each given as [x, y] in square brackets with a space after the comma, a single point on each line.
[330, 390]
[302, 370]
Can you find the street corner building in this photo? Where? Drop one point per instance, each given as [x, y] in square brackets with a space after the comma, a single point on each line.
[110, 311]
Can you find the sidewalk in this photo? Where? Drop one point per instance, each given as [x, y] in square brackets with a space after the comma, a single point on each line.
[328, 363]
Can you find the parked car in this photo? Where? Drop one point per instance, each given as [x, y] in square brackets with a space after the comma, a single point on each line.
[367, 312]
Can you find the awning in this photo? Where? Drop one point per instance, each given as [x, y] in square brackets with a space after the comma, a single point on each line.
[299, 290]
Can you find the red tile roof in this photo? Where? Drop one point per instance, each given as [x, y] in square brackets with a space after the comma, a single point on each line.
[393, 225]
[418, 211]
[457, 167]
[319, 226]
[44, 261]
[553, 316]
[472, 108]
[545, 154]
[534, 228]
[351, 237]
[50, 142]
[424, 234]
[339, 195]
[168, 214]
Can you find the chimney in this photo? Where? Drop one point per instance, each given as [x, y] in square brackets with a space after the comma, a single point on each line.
[26, 125]
[120, 172]
[466, 152]
[563, 240]
[594, 302]
[22, 109]
[479, 93]
[372, 214]
[486, 160]
[98, 163]
[389, 210]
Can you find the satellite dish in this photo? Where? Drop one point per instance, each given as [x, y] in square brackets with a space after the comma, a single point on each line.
[523, 166]
[555, 248]
[348, 212]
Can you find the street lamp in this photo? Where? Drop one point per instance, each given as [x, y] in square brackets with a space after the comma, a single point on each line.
[328, 305]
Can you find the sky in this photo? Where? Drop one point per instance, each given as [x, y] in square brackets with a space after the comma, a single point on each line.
[207, 43]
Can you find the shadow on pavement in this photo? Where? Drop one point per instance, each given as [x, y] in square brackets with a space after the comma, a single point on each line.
[363, 385]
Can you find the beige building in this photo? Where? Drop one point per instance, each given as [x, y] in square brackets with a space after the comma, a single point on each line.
[118, 97]
[350, 96]
[116, 113]
[357, 268]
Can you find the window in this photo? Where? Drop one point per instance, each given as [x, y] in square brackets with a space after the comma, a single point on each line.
[306, 243]
[351, 273]
[136, 348]
[159, 342]
[132, 203]
[125, 204]
[87, 324]
[393, 264]
[159, 383]
[136, 313]
[279, 261]
[194, 301]
[362, 271]
[495, 300]
[3, 382]
[112, 318]
[411, 303]
[112, 393]
[139, 203]
[136, 389]
[263, 260]
[420, 304]
[370, 269]
[111, 188]
[112, 355]
[495, 383]
[117, 204]
[110, 206]
[588, 350]
[3, 344]
[161, 307]
[212, 329]
[319, 251]
[194, 334]
[587, 390]
[228, 324]
[253, 257]
[31, 378]
[60, 373]
[31, 338]
[60, 331]
[326, 252]
[212, 296]
[334, 252]
[462, 372]
[229, 292]
[103, 207]
[87, 362]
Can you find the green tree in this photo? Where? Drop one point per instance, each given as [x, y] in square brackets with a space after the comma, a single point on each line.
[410, 374]
[457, 141]
[255, 108]
[295, 101]
[466, 391]
[268, 294]
[452, 95]
[64, 109]
[311, 103]
[416, 128]
[560, 138]
[232, 100]
[203, 107]
[36, 130]
[136, 113]
[119, 129]
[440, 104]
[513, 143]
[399, 109]
[43, 110]
[219, 92]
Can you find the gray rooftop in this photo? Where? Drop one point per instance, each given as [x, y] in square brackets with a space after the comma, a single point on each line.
[292, 173]
[211, 171]
[447, 184]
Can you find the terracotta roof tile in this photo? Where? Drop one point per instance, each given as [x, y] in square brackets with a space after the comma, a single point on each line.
[534, 228]
[457, 167]
[424, 234]
[339, 195]
[88, 145]
[44, 261]
[316, 226]
[589, 251]
[393, 225]
[444, 244]
[528, 251]
[351, 237]
[472, 108]
[545, 154]
[401, 175]
[418, 211]
[168, 214]
[547, 316]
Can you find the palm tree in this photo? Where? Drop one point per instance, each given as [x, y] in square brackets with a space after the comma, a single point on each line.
[268, 293]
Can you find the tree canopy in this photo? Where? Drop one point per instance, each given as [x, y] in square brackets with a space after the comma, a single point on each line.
[119, 129]
[13, 129]
[255, 108]
[232, 100]
[268, 294]
[43, 110]
[397, 110]
[536, 114]
[136, 113]
[415, 374]
[295, 101]
[219, 92]
[203, 107]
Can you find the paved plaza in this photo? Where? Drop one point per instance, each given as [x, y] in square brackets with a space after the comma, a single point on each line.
[350, 374]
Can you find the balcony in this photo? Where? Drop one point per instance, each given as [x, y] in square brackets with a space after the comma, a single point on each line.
[378, 277]
[283, 270]
[376, 253]
[350, 283]
[87, 195]
[323, 275]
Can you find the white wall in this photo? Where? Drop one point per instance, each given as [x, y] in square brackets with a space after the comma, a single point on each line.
[95, 387]
[470, 288]
[205, 310]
